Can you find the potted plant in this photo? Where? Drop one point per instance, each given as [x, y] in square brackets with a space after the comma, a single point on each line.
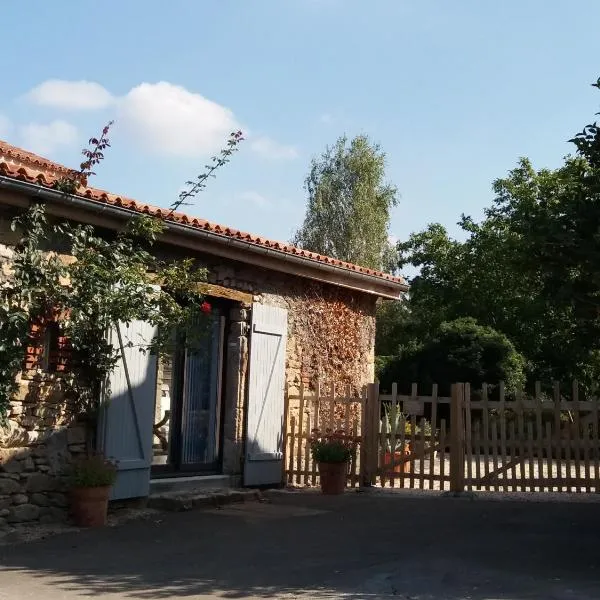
[91, 478]
[396, 422]
[332, 451]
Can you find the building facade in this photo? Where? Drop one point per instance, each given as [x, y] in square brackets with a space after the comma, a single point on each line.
[281, 318]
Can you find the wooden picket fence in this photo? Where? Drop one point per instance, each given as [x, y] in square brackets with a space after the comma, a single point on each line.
[326, 408]
[482, 440]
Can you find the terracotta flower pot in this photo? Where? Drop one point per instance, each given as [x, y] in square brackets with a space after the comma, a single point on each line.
[333, 477]
[398, 456]
[89, 506]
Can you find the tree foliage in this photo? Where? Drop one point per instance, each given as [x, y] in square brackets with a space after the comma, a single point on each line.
[529, 269]
[111, 281]
[393, 320]
[349, 204]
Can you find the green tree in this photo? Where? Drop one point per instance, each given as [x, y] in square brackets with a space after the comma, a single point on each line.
[113, 279]
[529, 269]
[393, 320]
[497, 276]
[349, 205]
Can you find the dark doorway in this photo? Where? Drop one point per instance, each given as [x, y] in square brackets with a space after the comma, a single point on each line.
[187, 430]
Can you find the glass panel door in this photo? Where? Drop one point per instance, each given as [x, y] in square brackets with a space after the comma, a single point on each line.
[188, 403]
[199, 443]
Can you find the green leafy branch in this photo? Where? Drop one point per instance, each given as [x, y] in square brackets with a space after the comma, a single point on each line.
[110, 279]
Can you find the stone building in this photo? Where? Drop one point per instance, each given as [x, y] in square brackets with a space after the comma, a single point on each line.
[282, 318]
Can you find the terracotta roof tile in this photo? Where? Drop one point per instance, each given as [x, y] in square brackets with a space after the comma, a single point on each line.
[20, 164]
[23, 156]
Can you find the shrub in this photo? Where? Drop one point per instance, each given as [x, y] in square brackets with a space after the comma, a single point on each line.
[332, 446]
[459, 351]
[92, 471]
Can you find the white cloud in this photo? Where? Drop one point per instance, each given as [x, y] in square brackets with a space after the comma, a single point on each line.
[160, 117]
[71, 95]
[43, 139]
[171, 120]
[5, 126]
[326, 119]
[269, 148]
[254, 198]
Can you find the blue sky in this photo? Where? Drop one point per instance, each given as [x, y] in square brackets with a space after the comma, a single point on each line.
[454, 91]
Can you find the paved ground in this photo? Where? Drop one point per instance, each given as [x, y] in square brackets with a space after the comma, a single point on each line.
[359, 546]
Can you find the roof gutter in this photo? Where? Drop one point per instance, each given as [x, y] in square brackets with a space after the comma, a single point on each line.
[394, 290]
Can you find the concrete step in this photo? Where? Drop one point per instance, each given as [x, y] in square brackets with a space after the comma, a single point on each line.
[178, 501]
[190, 484]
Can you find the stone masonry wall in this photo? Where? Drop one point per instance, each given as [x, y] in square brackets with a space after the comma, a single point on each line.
[234, 393]
[331, 337]
[40, 438]
[331, 330]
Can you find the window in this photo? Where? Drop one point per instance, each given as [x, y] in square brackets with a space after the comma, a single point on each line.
[49, 357]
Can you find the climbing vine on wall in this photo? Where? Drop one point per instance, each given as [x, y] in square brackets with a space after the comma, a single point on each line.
[330, 332]
[110, 280]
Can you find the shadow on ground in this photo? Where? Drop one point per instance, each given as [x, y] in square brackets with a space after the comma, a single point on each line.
[296, 546]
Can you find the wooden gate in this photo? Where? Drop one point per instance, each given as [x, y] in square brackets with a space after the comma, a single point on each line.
[484, 440]
[412, 440]
[545, 442]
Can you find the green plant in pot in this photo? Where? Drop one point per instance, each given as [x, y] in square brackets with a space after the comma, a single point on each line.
[332, 450]
[91, 478]
[395, 421]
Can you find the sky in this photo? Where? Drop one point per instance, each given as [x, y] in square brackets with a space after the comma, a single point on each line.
[453, 91]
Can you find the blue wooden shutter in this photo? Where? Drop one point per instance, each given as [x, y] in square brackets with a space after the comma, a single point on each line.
[264, 424]
[128, 415]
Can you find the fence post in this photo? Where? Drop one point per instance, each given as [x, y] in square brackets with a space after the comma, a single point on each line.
[457, 439]
[362, 474]
[370, 440]
[375, 419]
[284, 441]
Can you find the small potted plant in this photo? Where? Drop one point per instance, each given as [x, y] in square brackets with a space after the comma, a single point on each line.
[91, 478]
[332, 450]
[396, 422]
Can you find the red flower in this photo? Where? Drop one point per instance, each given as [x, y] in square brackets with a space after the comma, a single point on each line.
[205, 307]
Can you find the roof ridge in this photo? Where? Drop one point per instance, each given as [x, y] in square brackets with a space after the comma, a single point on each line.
[33, 168]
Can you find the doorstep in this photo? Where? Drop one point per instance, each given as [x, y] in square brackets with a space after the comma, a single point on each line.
[178, 501]
[190, 484]
[188, 493]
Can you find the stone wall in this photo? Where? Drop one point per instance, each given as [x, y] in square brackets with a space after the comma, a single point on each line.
[32, 484]
[331, 330]
[234, 393]
[40, 437]
[39, 442]
[331, 337]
